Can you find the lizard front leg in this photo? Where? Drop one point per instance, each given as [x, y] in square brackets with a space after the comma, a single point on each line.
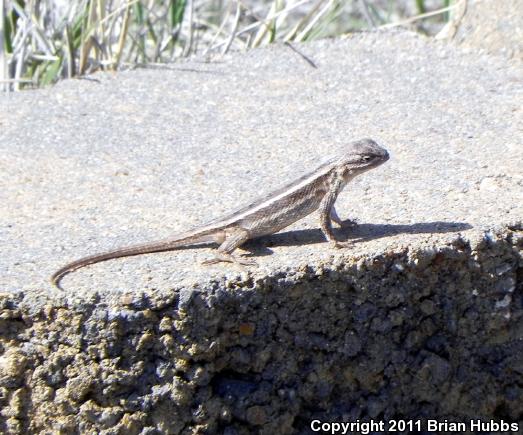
[328, 213]
[234, 237]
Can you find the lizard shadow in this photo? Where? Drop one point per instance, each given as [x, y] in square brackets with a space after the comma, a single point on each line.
[358, 233]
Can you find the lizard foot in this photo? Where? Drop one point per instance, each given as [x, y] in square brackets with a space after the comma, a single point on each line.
[229, 258]
[349, 223]
[339, 245]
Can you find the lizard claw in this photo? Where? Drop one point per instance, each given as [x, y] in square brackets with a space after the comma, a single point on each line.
[340, 245]
[246, 262]
[228, 258]
[349, 223]
[211, 261]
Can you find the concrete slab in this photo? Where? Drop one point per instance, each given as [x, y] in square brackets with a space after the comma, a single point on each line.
[116, 159]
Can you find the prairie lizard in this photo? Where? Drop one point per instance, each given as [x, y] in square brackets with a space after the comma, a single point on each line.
[316, 190]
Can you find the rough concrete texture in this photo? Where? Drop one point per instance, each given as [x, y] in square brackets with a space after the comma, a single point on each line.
[493, 26]
[422, 318]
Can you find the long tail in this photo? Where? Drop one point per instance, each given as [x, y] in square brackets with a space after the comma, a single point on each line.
[143, 248]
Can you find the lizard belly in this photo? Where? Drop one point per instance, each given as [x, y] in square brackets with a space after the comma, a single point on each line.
[280, 214]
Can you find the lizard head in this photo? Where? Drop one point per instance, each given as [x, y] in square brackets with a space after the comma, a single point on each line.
[362, 155]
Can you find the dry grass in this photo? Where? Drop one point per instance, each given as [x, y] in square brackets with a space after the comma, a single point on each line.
[42, 41]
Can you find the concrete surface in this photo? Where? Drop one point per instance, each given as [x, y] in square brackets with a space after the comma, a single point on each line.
[421, 318]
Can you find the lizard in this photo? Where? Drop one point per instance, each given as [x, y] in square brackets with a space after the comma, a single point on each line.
[316, 190]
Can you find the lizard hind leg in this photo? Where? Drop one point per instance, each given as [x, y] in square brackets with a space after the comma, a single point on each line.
[234, 237]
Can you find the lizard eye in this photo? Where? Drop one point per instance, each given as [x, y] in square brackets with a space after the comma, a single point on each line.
[366, 158]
